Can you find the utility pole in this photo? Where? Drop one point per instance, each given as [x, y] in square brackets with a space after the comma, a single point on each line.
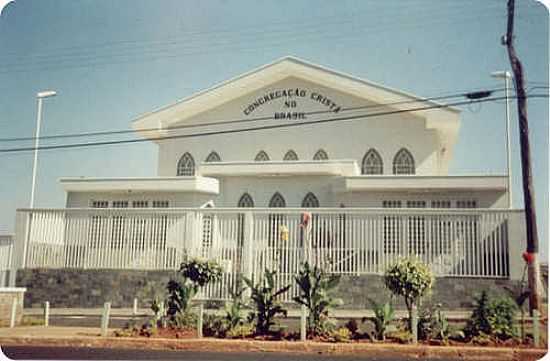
[531, 255]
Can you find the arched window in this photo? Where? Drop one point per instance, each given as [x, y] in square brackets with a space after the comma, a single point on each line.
[291, 155]
[320, 155]
[310, 201]
[186, 165]
[277, 201]
[261, 157]
[372, 163]
[403, 162]
[213, 157]
[246, 201]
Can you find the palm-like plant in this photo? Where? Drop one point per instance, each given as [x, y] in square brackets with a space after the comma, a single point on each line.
[315, 286]
[265, 298]
[383, 316]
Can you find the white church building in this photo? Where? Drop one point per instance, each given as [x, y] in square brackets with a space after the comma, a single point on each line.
[366, 165]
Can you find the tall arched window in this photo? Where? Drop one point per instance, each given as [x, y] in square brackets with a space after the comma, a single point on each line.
[277, 201]
[403, 162]
[320, 155]
[246, 201]
[310, 201]
[213, 157]
[261, 156]
[290, 155]
[372, 163]
[186, 165]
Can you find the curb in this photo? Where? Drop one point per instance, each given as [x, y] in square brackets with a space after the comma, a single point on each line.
[214, 345]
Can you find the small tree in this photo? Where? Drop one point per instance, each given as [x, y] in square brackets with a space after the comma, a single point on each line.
[383, 316]
[411, 279]
[264, 295]
[315, 286]
[195, 273]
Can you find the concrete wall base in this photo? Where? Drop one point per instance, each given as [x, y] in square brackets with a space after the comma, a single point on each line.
[91, 288]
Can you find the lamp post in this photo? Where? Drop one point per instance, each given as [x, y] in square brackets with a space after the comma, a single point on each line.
[40, 96]
[507, 76]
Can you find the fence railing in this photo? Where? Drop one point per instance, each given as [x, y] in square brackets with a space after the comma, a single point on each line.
[6, 253]
[466, 243]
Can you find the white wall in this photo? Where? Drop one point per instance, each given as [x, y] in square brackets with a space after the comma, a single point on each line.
[341, 140]
[84, 199]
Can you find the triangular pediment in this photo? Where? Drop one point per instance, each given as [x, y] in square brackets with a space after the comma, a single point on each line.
[260, 93]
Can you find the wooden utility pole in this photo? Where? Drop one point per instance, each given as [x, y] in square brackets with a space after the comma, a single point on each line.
[531, 255]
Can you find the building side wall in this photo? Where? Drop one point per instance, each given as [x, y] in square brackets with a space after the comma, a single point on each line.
[341, 140]
[175, 199]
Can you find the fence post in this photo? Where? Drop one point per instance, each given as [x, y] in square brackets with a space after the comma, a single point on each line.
[46, 314]
[247, 259]
[200, 319]
[303, 321]
[536, 327]
[135, 307]
[13, 312]
[414, 324]
[105, 318]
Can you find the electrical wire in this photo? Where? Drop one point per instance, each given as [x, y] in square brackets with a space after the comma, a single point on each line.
[267, 127]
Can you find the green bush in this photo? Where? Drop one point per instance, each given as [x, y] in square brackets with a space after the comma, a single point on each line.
[492, 318]
[234, 309]
[213, 326]
[410, 279]
[267, 306]
[241, 331]
[341, 334]
[178, 302]
[201, 272]
[502, 314]
[315, 286]
[433, 325]
[383, 316]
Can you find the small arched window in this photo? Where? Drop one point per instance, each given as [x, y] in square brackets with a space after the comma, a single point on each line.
[277, 201]
[310, 201]
[320, 155]
[403, 162]
[291, 155]
[213, 157]
[186, 165]
[261, 156]
[246, 201]
[372, 163]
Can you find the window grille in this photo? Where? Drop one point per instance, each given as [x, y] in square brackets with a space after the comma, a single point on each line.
[261, 157]
[441, 204]
[403, 162]
[161, 204]
[320, 155]
[392, 229]
[466, 203]
[213, 157]
[291, 155]
[186, 165]
[372, 163]
[310, 201]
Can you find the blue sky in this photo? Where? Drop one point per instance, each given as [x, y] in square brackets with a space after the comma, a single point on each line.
[110, 61]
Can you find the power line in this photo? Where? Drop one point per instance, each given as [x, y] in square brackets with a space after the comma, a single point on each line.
[267, 127]
[237, 121]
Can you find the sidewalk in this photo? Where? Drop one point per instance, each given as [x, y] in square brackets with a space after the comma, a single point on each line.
[89, 337]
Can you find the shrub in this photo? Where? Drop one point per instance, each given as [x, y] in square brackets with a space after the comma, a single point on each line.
[241, 331]
[341, 334]
[492, 318]
[264, 296]
[433, 324]
[234, 310]
[178, 302]
[314, 293]
[213, 326]
[383, 316]
[410, 279]
[478, 322]
[201, 272]
[353, 327]
[502, 314]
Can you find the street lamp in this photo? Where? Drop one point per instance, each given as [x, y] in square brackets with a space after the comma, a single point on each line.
[507, 76]
[40, 96]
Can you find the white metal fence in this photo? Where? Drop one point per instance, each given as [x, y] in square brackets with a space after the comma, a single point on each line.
[6, 252]
[466, 243]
